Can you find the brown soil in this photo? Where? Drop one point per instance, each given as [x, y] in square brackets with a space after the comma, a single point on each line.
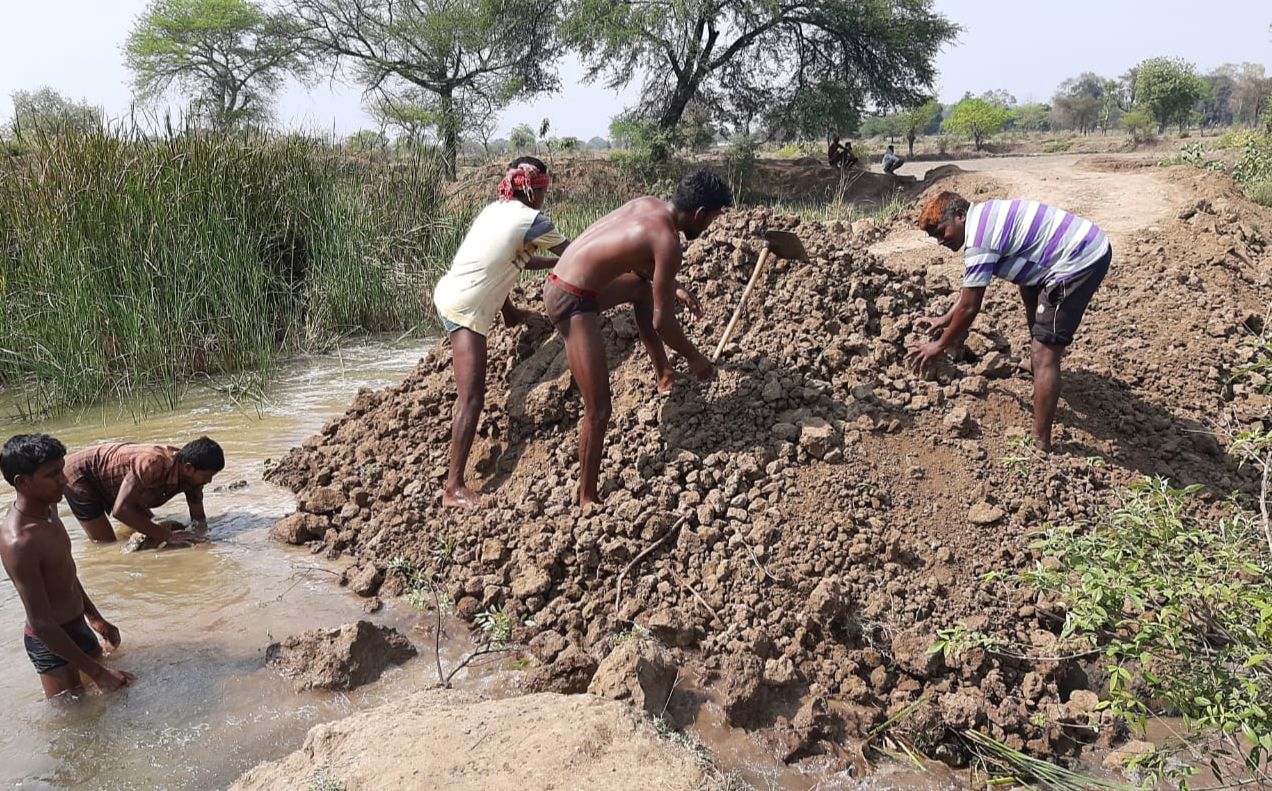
[829, 510]
[443, 739]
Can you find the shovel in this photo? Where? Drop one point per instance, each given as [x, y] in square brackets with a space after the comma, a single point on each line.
[782, 244]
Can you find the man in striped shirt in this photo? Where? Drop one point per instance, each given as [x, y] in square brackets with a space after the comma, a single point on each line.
[1056, 259]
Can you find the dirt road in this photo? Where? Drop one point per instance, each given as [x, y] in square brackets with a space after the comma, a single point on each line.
[1114, 191]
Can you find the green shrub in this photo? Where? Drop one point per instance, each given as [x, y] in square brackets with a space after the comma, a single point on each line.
[1141, 126]
[1179, 602]
[1261, 193]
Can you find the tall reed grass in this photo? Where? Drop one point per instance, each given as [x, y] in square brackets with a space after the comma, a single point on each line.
[130, 265]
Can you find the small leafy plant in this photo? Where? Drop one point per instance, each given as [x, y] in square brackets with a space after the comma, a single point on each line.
[425, 589]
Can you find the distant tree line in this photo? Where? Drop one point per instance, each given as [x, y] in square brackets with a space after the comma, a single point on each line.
[440, 72]
[1155, 94]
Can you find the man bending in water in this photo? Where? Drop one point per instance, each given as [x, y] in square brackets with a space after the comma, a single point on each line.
[630, 255]
[37, 556]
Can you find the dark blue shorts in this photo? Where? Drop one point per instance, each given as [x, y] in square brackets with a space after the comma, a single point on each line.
[45, 660]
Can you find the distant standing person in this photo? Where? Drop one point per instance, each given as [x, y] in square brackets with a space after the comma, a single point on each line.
[126, 480]
[632, 254]
[1057, 259]
[909, 139]
[500, 245]
[891, 161]
[36, 552]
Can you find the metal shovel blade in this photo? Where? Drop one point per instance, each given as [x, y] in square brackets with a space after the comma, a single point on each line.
[784, 244]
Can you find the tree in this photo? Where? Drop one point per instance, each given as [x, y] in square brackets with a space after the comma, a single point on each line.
[999, 98]
[522, 137]
[777, 54]
[230, 56]
[45, 111]
[1033, 117]
[1216, 108]
[459, 61]
[1168, 88]
[366, 141]
[1251, 88]
[598, 144]
[976, 119]
[921, 116]
[1078, 101]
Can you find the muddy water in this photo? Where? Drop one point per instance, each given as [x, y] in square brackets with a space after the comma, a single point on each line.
[195, 623]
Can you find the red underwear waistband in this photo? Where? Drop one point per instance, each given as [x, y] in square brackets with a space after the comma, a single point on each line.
[581, 293]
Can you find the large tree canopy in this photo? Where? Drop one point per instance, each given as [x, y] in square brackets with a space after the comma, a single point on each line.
[230, 56]
[454, 61]
[1168, 88]
[1080, 100]
[787, 57]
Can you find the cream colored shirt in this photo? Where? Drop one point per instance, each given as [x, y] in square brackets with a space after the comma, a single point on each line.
[489, 262]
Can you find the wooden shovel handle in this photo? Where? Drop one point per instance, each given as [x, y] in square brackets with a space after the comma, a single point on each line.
[755, 276]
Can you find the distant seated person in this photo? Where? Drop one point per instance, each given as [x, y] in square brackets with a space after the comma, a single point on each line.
[840, 155]
[891, 161]
[126, 480]
[835, 153]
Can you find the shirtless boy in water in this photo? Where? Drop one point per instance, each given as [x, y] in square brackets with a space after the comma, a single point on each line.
[37, 556]
[631, 255]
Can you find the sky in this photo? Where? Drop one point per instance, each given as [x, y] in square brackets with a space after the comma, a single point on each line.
[73, 46]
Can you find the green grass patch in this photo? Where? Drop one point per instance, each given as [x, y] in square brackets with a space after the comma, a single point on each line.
[136, 266]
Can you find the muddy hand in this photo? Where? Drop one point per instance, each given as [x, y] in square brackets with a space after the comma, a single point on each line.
[109, 680]
[690, 301]
[932, 325]
[702, 368]
[184, 538]
[922, 356]
[108, 631]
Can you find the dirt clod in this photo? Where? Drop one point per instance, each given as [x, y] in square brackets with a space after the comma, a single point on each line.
[342, 658]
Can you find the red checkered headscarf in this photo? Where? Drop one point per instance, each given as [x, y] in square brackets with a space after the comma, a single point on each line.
[524, 178]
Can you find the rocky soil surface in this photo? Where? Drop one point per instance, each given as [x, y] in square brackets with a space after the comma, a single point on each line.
[818, 512]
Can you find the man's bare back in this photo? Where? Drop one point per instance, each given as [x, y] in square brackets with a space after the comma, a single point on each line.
[627, 239]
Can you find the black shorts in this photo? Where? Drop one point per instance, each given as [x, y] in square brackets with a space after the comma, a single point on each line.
[562, 300]
[45, 660]
[84, 510]
[1062, 305]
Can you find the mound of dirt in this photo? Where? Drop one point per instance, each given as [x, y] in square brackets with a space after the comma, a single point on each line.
[444, 739]
[818, 511]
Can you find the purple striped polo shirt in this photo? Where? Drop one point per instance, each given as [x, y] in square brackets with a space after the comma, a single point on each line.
[1028, 243]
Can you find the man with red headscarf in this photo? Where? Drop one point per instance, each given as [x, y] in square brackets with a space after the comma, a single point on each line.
[500, 245]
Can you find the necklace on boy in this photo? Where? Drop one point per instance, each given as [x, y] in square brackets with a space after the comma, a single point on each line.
[31, 516]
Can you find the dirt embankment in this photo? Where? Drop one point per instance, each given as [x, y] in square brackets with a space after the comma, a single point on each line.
[829, 511]
[442, 739]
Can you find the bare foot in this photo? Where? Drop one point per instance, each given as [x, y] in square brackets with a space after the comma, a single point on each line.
[666, 381]
[460, 497]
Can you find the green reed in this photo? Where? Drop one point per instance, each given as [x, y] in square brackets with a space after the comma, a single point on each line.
[135, 266]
